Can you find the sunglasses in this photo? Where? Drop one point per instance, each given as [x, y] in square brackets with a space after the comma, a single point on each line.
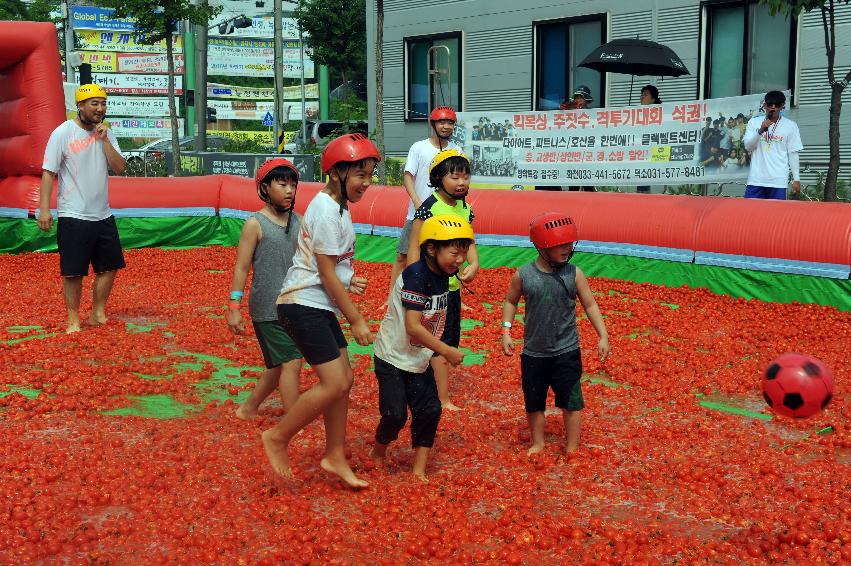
[775, 104]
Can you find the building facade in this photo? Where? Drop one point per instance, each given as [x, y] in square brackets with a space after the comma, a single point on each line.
[513, 56]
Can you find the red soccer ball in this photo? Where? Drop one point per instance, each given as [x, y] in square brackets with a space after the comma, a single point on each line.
[797, 385]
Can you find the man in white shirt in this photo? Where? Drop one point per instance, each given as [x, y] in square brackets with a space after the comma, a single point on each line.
[442, 120]
[81, 152]
[774, 143]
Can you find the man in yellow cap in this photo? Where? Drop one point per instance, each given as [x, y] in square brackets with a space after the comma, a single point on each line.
[81, 152]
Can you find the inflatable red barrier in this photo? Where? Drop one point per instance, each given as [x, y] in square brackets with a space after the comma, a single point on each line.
[32, 102]
[165, 192]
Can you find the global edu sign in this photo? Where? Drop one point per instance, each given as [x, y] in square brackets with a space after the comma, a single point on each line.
[91, 17]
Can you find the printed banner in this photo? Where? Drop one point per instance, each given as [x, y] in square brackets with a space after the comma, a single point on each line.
[254, 58]
[90, 17]
[668, 144]
[148, 63]
[136, 84]
[251, 110]
[263, 27]
[100, 62]
[311, 90]
[241, 164]
[142, 128]
[127, 42]
[138, 106]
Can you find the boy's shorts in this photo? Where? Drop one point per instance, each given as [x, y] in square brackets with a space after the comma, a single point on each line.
[405, 238]
[452, 330]
[316, 332]
[84, 242]
[277, 347]
[775, 193]
[561, 373]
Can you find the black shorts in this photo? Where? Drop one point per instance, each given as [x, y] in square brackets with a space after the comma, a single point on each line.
[84, 242]
[316, 332]
[560, 372]
[452, 330]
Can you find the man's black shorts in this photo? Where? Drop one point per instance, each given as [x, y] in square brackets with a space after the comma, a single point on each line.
[560, 372]
[84, 242]
[452, 331]
[316, 332]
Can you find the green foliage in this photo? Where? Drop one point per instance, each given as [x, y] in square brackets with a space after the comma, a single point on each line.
[245, 145]
[158, 18]
[395, 167]
[795, 7]
[336, 32]
[34, 11]
[348, 109]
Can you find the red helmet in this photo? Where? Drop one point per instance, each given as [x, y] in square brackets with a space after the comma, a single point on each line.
[264, 169]
[552, 229]
[443, 113]
[348, 148]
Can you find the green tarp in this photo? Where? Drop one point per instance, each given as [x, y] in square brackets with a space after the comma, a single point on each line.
[23, 235]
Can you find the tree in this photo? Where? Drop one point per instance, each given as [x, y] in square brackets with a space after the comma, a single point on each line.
[794, 8]
[35, 11]
[335, 30]
[157, 20]
[379, 88]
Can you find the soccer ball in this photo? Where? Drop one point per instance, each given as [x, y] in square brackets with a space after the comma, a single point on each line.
[797, 385]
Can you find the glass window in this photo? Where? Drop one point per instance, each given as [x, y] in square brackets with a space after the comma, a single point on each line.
[426, 90]
[561, 46]
[748, 50]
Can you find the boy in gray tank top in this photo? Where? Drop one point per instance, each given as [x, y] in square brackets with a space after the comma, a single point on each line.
[267, 246]
[551, 357]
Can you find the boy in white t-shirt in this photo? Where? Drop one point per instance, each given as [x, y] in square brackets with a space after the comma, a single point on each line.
[442, 120]
[314, 293]
[411, 333]
[774, 143]
[81, 152]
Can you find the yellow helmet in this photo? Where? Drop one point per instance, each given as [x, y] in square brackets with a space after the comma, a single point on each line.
[445, 227]
[85, 92]
[444, 155]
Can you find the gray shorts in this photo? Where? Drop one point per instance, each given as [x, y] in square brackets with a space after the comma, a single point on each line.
[404, 238]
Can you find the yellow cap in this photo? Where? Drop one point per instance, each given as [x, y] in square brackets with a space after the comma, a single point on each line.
[444, 155]
[85, 92]
[445, 227]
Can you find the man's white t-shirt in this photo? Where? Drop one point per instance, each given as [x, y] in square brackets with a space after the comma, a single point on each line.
[323, 231]
[419, 158]
[770, 159]
[77, 157]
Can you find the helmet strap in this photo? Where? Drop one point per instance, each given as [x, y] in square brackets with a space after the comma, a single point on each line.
[344, 194]
[555, 264]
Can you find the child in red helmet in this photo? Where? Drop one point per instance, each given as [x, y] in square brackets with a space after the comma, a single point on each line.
[267, 246]
[416, 178]
[314, 293]
[551, 357]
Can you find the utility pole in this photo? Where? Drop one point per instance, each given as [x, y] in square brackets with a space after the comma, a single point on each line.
[68, 33]
[279, 72]
[303, 104]
[201, 87]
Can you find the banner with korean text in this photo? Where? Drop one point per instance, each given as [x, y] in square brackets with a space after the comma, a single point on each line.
[667, 144]
[138, 106]
[123, 41]
[214, 90]
[136, 84]
[143, 128]
[263, 27]
[256, 110]
[254, 58]
[148, 63]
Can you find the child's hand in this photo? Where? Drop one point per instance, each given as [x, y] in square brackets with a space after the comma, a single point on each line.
[507, 344]
[235, 322]
[466, 275]
[357, 285]
[362, 334]
[454, 356]
[603, 348]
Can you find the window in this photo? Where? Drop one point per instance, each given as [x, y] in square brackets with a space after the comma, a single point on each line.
[424, 90]
[748, 51]
[560, 47]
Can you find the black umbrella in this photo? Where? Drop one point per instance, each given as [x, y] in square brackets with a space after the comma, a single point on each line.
[635, 57]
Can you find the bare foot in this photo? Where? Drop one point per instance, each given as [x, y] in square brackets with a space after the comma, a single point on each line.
[277, 455]
[343, 471]
[245, 414]
[421, 476]
[72, 327]
[450, 406]
[534, 449]
[97, 318]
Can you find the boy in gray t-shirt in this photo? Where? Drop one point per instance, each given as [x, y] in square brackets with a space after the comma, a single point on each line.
[551, 357]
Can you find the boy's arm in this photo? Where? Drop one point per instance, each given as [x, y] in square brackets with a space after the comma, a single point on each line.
[415, 329]
[414, 242]
[751, 138]
[586, 297]
[244, 253]
[408, 182]
[327, 265]
[509, 310]
[466, 275]
[45, 219]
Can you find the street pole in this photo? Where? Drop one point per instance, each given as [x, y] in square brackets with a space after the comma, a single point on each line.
[303, 105]
[279, 72]
[189, 75]
[68, 32]
[201, 87]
